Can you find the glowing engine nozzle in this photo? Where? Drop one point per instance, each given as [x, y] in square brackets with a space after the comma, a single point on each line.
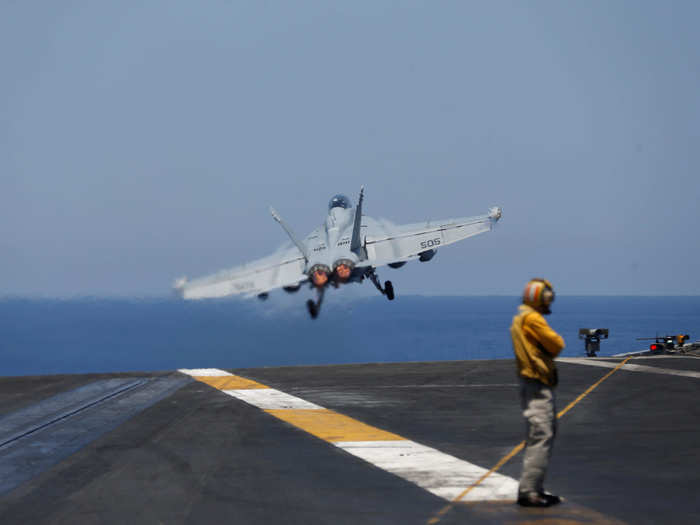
[343, 269]
[319, 274]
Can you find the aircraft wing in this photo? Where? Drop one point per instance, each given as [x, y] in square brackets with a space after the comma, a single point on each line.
[387, 243]
[283, 268]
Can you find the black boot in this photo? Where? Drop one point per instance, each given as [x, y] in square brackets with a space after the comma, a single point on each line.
[537, 499]
[553, 500]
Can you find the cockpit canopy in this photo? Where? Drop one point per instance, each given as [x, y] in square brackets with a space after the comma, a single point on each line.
[339, 201]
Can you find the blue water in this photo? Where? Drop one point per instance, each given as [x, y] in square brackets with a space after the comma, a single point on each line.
[107, 335]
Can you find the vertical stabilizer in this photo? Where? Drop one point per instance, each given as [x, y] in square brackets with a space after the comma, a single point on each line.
[356, 243]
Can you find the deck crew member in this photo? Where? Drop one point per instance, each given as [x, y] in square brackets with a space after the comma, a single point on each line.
[536, 345]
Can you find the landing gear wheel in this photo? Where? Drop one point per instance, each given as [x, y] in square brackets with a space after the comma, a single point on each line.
[313, 309]
[389, 290]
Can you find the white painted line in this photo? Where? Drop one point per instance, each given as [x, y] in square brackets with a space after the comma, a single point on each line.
[444, 475]
[658, 356]
[439, 473]
[631, 367]
[204, 372]
[271, 399]
[474, 385]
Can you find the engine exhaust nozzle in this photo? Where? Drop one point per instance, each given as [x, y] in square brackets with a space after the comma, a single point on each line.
[319, 275]
[343, 269]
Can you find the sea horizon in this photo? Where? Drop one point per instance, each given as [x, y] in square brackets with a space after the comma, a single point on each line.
[122, 334]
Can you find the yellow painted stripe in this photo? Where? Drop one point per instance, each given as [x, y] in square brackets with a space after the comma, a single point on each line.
[439, 514]
[428, 468]
[332, 426]
[230, 382]
[590, 388]
[322, 423]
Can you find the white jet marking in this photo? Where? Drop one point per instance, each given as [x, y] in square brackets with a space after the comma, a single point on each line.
[271, 399]
[630, 367]
[439, 473]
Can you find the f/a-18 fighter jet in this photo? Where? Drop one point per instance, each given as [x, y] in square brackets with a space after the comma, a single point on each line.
[347, 248]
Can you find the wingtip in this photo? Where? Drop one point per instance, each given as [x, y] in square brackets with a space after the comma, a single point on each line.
[179, 286]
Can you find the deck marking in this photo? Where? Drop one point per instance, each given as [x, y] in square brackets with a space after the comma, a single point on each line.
[632, 368]
[230, 383]
[436, 518]
[439, 473]
[332, 426]
[646, 354]
[271, 399]
[475, 385]
[592, 387]
[200, 372]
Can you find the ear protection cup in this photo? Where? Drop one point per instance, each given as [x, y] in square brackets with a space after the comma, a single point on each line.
[539, 293]
[547, 296]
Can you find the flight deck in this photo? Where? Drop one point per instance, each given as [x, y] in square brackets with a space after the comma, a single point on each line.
[391, 443]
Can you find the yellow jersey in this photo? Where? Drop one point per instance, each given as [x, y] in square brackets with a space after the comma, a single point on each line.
[535, 345]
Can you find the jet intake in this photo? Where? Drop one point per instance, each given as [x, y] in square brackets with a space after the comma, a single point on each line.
[319, 275]
[427, 255]
[343, 269]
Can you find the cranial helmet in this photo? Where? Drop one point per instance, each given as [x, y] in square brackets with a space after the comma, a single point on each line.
[539, 294]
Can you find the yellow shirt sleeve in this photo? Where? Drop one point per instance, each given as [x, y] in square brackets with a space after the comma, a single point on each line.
[536, 328]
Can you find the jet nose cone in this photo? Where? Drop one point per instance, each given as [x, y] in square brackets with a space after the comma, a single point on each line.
[495, 213]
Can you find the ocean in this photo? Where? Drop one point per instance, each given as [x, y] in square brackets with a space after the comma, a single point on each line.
[57, 336]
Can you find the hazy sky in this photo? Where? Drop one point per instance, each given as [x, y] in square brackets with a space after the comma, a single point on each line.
[142, 141]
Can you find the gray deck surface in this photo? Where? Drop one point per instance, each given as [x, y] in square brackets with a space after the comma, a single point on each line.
[180, 451]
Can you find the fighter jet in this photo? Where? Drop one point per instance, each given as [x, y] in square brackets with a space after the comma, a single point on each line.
[347, 248]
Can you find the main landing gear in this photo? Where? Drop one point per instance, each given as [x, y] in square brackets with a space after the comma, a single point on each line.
[388, 289]
[315, 306]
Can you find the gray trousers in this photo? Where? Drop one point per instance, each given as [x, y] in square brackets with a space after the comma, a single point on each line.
[537, 401]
